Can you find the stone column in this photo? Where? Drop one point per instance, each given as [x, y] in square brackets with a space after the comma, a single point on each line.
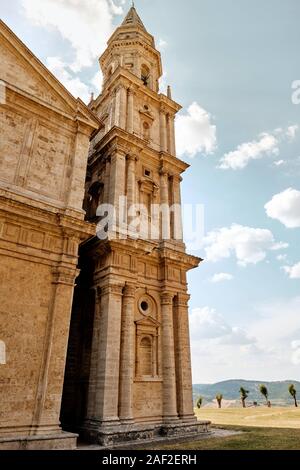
[91, 401]
[130, 115]
[168, 359]
[117, 187]
[103, 411]
[50, 383]
[177, 210]
[172, 144]
[165, 206]
[127, 355]
[131, 180]
[121, 107]
[106, 181]
[112, 115]
[75, 188]
[183, 359]
[163, 131]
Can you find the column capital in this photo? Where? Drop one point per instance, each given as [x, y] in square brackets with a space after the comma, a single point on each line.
[132, 157]
[166, 298]
[182, 299]
[177, 178]
[129, 290]
[164, 173]
[64, 275]
[116, 289]
[131, 91]
[120, 87]
[117, 152]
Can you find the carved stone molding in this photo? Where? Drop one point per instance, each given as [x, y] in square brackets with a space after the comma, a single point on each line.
[166, 298]
[182, 299]
[148, 186]
[116, 289]
[176, 178]
[132, 158]
[129, 290]
[64, 275]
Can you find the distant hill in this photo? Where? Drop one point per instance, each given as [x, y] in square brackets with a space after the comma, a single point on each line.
[278, 391]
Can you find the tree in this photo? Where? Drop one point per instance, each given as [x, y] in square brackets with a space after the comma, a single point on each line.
[199, 402]
[264, 391]
[293, 392]
[244, 394]
[219, 399]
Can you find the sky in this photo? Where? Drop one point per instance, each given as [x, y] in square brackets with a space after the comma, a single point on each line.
[232, 65]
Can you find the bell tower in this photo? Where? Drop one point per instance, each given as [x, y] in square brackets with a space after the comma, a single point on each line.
[139, 364]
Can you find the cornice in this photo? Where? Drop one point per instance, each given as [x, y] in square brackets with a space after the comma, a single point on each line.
[53, 219]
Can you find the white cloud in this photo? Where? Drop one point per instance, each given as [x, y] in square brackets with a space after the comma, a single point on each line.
[238, 336]
[86, 24]
[220, 277]
[279, 246]
[293, 271]
[267, 144]
[162, 44]
[219, 350]
[97, 81]
[206, 323]
[295, 358]
[163, 82]
[279, 163]
[278, 321]
[292, 131]
[249, 245]
[73, 84]
[64, 75]
[255, 150]
[269, 349]
[195, 132]
[285, 207]
[282, 257]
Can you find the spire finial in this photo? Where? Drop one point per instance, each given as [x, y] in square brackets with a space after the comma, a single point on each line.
[133, 5]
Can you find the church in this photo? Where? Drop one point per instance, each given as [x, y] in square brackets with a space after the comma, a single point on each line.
[93, 305]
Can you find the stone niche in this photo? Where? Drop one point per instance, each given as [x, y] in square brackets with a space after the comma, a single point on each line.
[148, 374]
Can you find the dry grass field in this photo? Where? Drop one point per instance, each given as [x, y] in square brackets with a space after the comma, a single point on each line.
[259, 428]
[257, 417]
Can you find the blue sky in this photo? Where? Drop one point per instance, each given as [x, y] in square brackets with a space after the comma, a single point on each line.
[231, 65]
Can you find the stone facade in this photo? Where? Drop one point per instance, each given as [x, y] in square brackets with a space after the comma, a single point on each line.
[128, 372]
[128, 369]
[44, 141]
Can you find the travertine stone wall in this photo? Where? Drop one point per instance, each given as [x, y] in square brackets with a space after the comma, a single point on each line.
[44, 138]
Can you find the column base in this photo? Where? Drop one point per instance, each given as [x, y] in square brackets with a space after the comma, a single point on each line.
[115, 436]
[183, 429]
[59, 441]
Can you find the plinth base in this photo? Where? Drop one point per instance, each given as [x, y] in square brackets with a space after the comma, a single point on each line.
[59, 441]
[110, 436]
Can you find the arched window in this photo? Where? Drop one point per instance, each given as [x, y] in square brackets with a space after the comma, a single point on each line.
[145, 358]
[145, 75]
[2, 353]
